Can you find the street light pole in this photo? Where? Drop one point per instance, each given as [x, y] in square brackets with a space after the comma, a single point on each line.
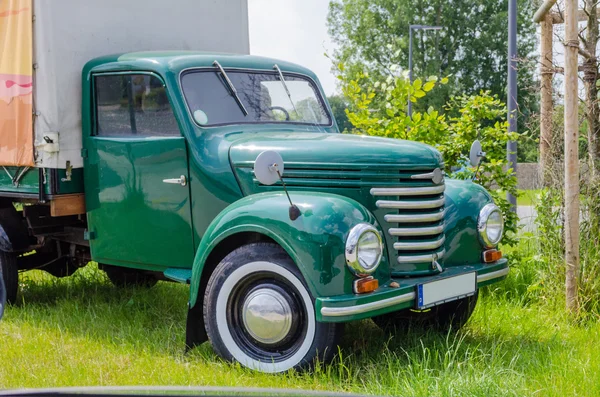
[410, 58]
[511, 147]
[410, 65]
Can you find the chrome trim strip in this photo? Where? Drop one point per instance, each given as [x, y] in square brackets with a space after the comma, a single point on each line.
[492, 275]
[410, 205]
[419, 245]
[366, 307]
[421, 258]
[407, 191]
[415, 231]
[394, 218]
[428, 175]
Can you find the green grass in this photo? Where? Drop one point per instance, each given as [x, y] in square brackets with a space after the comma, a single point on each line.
[82, 331]
[527, 197]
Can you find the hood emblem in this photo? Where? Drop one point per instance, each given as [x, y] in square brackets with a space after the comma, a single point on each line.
[437, 176]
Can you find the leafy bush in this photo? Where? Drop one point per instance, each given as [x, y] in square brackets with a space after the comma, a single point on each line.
[379, 107]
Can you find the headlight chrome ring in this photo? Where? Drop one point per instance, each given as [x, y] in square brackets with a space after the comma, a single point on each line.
[490, 234]
[366, 235]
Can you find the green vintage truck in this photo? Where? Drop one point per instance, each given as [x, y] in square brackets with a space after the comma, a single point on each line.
[228, 173]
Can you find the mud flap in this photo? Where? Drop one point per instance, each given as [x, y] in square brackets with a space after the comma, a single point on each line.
[195, 332]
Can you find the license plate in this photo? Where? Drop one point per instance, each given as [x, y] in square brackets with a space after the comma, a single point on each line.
[448, 289]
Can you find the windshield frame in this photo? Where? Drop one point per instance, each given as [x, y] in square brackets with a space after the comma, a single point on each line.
[311, 81]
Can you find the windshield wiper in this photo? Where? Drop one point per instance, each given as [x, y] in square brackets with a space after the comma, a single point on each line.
[231, 87]
[287, 91]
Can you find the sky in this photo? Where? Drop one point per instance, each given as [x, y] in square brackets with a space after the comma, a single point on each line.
[294, 31]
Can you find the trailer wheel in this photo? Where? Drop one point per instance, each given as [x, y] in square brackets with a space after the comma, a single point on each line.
[442, 318]
[10, 273]
[259, 312]
[124, 277]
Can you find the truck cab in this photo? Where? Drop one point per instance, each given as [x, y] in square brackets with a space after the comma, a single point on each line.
[228, 173]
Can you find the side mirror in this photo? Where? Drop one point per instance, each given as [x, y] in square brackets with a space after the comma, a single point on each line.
[268, 167]
[2, 294]
[476, 154]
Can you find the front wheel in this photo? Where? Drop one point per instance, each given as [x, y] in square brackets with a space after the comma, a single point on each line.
[259, 312]
[442, 318]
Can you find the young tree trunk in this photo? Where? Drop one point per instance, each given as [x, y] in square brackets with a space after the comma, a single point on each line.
[571, 158]
[590, 76]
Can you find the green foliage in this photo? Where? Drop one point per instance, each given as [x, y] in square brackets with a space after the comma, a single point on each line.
[338, 107]
[379, 108]
[372, 35]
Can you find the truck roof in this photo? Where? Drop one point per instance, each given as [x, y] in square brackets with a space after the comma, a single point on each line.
[176, 61]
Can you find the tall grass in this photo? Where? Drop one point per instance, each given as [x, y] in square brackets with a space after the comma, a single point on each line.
[82, 331]
[538, 268]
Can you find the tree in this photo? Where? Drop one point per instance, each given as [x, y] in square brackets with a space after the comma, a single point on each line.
[372, 35]
[338, 106]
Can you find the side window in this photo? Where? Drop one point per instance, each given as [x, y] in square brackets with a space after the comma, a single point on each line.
[133, 105]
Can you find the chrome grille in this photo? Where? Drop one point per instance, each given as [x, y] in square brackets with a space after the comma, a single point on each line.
[416, 218]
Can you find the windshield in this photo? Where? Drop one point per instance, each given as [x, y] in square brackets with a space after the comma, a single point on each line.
[262, 94]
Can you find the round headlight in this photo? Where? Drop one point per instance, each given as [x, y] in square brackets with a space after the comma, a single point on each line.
[490, 225]
[363, 249]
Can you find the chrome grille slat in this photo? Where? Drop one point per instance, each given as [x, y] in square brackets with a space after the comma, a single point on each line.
[407, 191]
[414, 218]
[428, 258]
[419, 245]
[417, 239]
[410, 205]
[415, 231]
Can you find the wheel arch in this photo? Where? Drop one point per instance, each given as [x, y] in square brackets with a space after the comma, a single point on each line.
[315, 241]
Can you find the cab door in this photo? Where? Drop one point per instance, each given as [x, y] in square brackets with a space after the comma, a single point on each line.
[136, 176]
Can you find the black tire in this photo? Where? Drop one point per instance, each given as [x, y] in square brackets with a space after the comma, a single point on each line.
[442, 318]
[123, 277]
[259, 270]
[10, 274]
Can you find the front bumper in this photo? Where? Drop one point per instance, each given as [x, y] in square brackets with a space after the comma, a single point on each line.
[387, 299]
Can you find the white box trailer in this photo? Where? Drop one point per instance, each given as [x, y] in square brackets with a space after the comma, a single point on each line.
[44, 45]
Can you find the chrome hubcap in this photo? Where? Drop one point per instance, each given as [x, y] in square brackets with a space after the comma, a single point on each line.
[267, 316]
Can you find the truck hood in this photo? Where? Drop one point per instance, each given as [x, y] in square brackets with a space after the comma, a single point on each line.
[331, 148]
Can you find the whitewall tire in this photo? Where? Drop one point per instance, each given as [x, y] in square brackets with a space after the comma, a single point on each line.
[259, 312]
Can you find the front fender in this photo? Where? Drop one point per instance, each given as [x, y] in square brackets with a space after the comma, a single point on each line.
[464, 200]
[315, 241]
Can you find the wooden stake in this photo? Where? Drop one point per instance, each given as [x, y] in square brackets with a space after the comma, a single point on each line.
[590, 77]
[547, 72]
[571, 157]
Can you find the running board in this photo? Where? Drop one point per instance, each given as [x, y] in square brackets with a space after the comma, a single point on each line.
[183, 276]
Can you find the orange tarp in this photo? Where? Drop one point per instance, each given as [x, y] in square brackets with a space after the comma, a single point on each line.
[16, 83]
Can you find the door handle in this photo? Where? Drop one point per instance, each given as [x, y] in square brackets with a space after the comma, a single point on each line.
[177, 181]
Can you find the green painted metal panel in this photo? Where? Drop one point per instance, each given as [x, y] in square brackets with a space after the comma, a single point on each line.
[138, 220]
[55, 181]
[28, 183]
